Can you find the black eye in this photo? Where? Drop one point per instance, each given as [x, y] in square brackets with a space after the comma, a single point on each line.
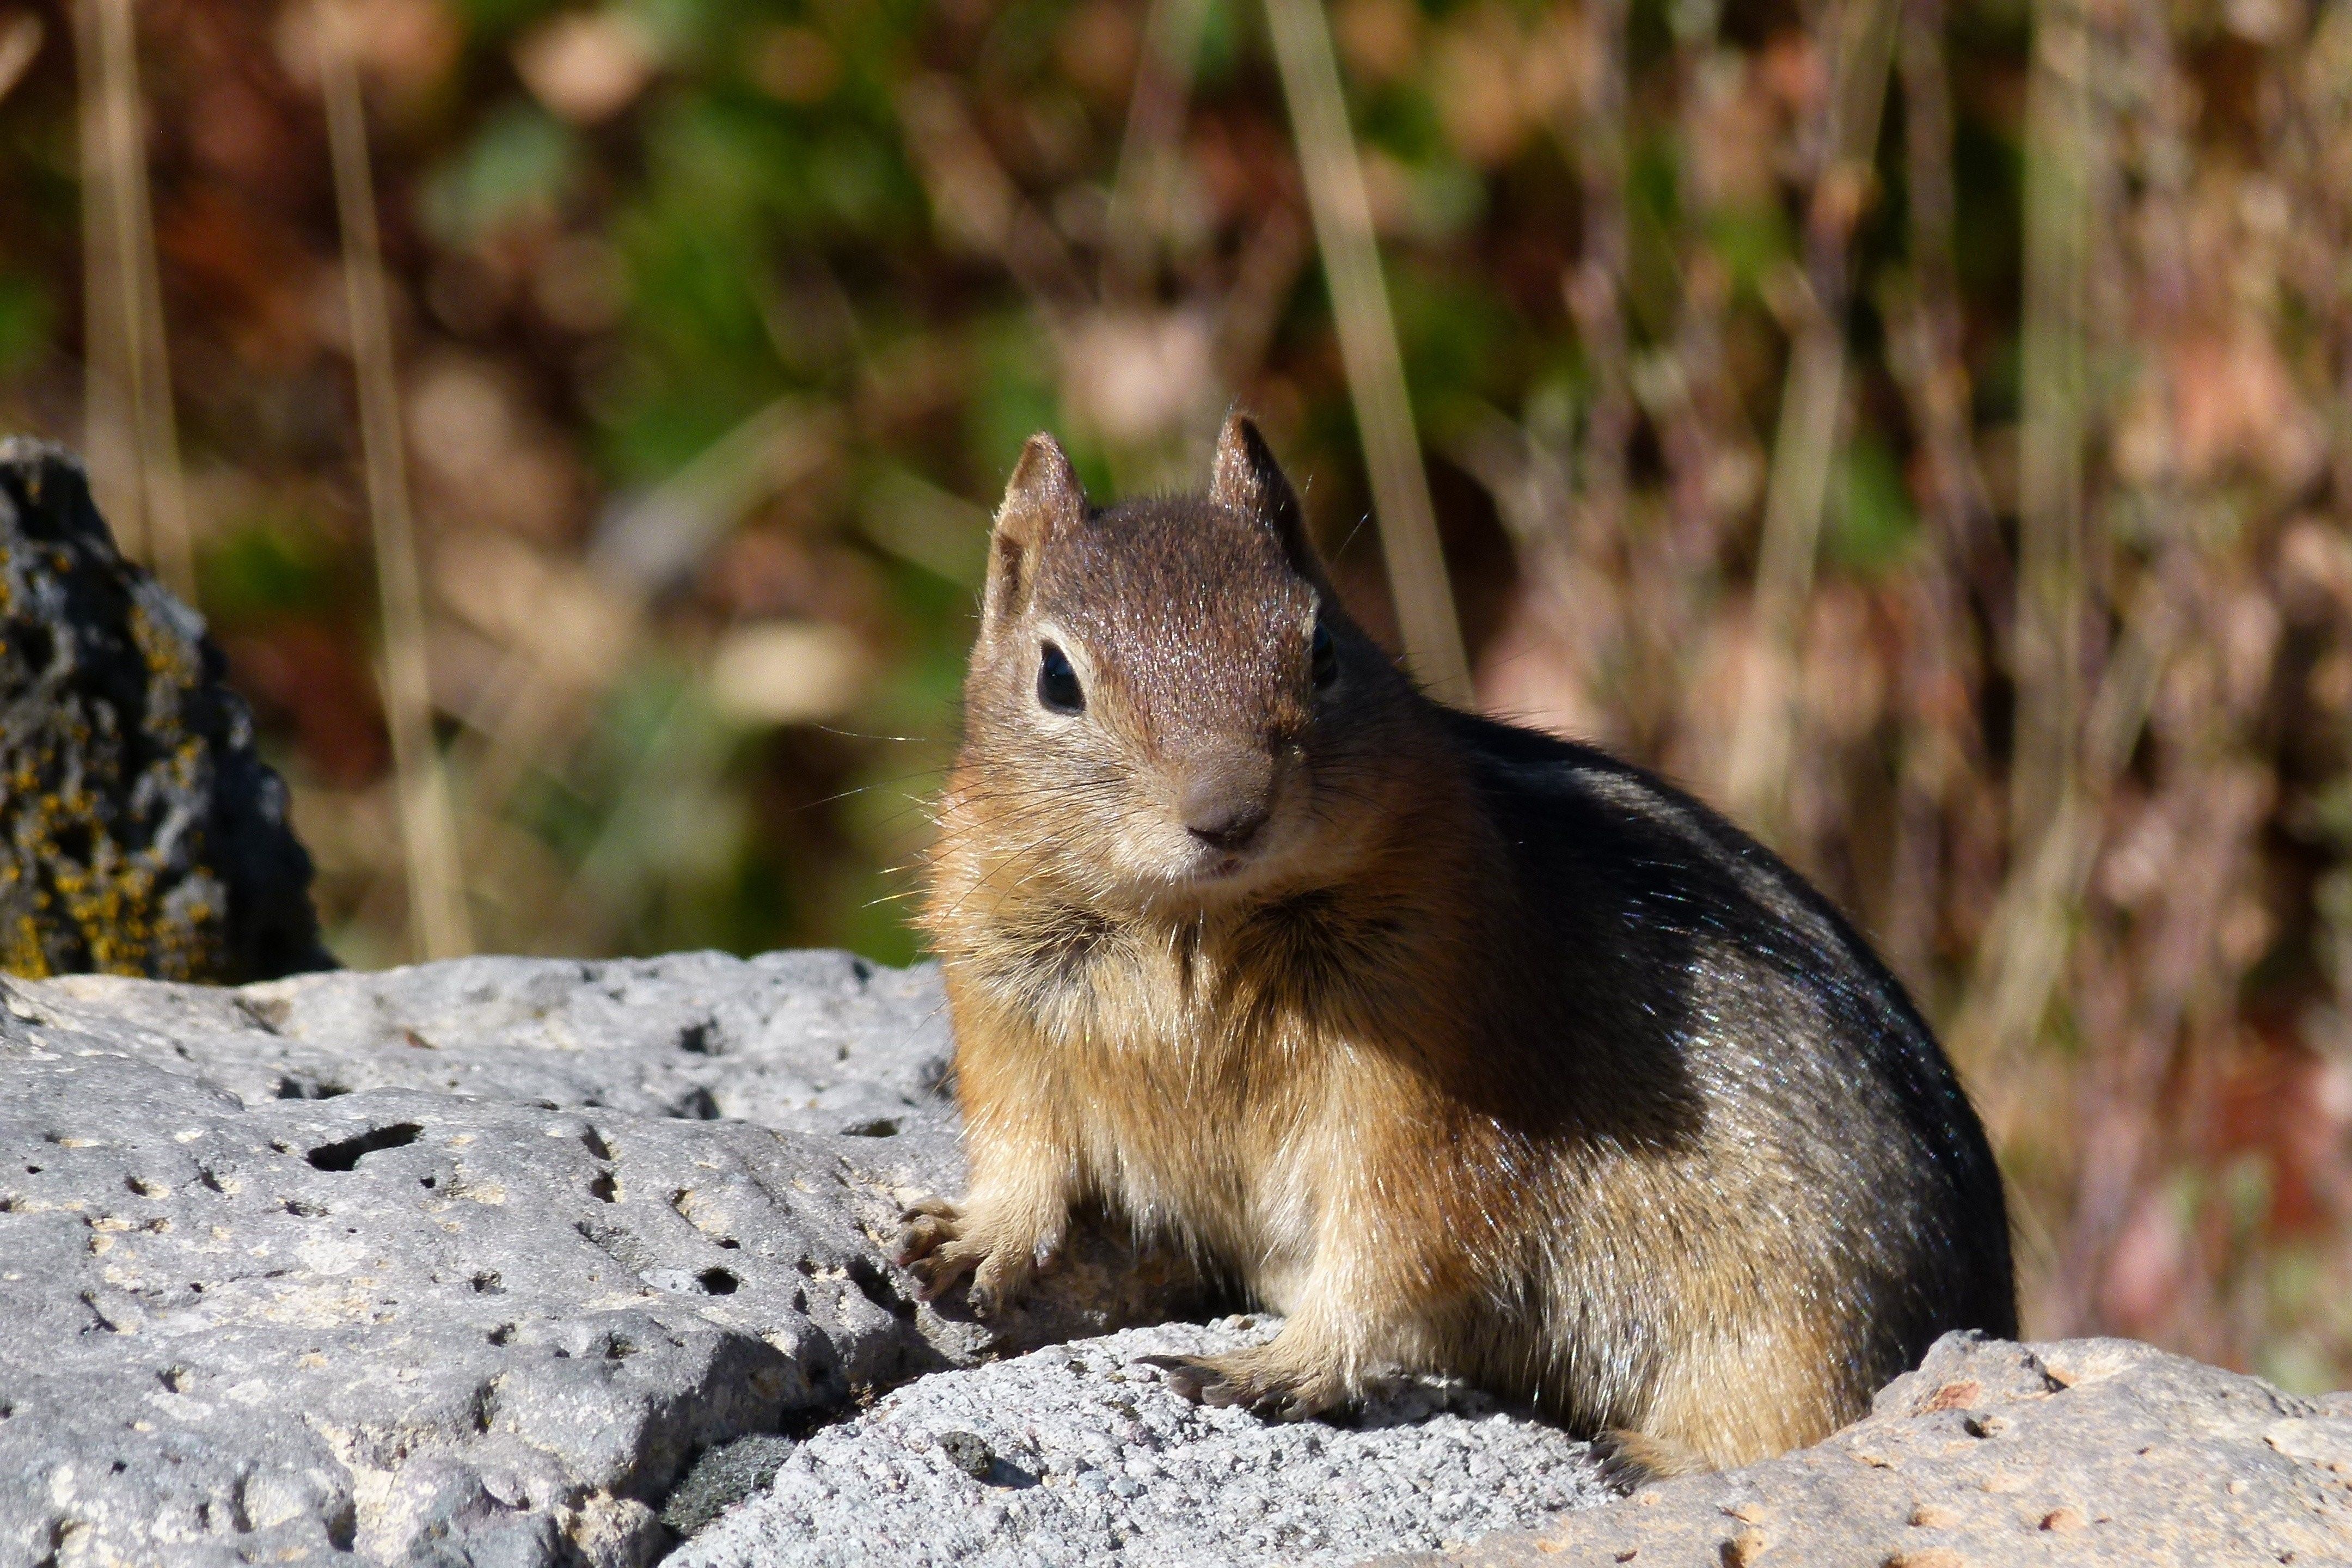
[1057, 683]
[1323, 659]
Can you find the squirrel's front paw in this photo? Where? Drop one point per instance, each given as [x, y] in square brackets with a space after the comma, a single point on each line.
[1258, 1380]
[940, 1243]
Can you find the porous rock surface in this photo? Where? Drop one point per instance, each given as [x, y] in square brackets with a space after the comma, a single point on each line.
[1077, 1454]
[461, 1263]
[507, 1261]
[139, 833]
[1992, 1454]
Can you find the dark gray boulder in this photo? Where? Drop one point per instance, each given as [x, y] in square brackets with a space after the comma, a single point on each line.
[139, 833]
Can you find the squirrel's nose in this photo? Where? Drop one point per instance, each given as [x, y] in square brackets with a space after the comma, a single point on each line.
[1232, 831]
[1225, 802]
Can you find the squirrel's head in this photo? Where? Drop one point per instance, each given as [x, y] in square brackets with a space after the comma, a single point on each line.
[1167, 709]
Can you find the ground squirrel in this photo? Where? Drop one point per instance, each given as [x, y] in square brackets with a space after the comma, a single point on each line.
[1466, 1049]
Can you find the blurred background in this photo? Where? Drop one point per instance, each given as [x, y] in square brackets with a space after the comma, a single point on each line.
[1922, 427]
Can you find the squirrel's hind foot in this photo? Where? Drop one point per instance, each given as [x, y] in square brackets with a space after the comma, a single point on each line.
[1259, 1382]
[1631, 1460]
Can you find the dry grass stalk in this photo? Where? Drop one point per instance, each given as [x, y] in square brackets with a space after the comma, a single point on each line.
[439, 927]
[1942, 758]
[132, 436]
[1812, 405]
[1148, 168]
[1594, 289]
[2023, 957]
[20, 43]
[132, 275]
[2048, 655]
[162, 485]
[109, 293]
[1932, 357]
[2146, 998]
[1342, 214]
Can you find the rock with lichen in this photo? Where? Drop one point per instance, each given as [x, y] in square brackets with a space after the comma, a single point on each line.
[139, 833]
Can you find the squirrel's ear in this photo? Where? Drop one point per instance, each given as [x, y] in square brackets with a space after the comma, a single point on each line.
[1246, 479]
[1042, 497]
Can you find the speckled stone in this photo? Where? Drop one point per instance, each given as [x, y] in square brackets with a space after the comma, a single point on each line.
[1076, 1455]
[1997, 1455]
[464, 1263]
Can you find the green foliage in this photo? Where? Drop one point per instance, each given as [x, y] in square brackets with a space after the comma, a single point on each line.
[26, 321]
[1873, 524]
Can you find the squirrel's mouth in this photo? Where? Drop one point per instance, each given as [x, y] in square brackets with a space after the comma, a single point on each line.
[1183, 874]
[1222, 873]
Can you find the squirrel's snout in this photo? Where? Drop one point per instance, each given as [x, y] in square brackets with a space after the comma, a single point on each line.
[1227, 801]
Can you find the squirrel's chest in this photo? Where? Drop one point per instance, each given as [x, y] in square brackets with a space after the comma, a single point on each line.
[1190, 1108]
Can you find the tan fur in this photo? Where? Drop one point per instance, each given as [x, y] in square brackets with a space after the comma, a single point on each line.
[1294, 1073]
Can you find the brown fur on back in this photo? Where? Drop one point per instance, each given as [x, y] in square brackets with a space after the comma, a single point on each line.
[1481, 1053]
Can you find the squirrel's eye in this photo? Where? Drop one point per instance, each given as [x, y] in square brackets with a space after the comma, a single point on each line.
[1057, 683]
[1323, 658]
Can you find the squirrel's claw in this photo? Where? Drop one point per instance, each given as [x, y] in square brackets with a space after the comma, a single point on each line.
[939, 1266]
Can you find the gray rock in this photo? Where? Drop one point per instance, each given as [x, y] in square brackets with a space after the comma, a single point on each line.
[1991, 1454]
[452, 1264]
[818, 1042]
[139, 832]
[1075, 1455]
[474, 1263]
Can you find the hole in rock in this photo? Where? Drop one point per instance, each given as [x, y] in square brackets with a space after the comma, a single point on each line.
[877, 1288]
[605, 1189]
[34, 645]
[73, 842]
[716, 1282]
[145, 1188]
[347, 1154]
[489, 1282]
[701, 1040]
[880, 1127]
[696, 1105]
